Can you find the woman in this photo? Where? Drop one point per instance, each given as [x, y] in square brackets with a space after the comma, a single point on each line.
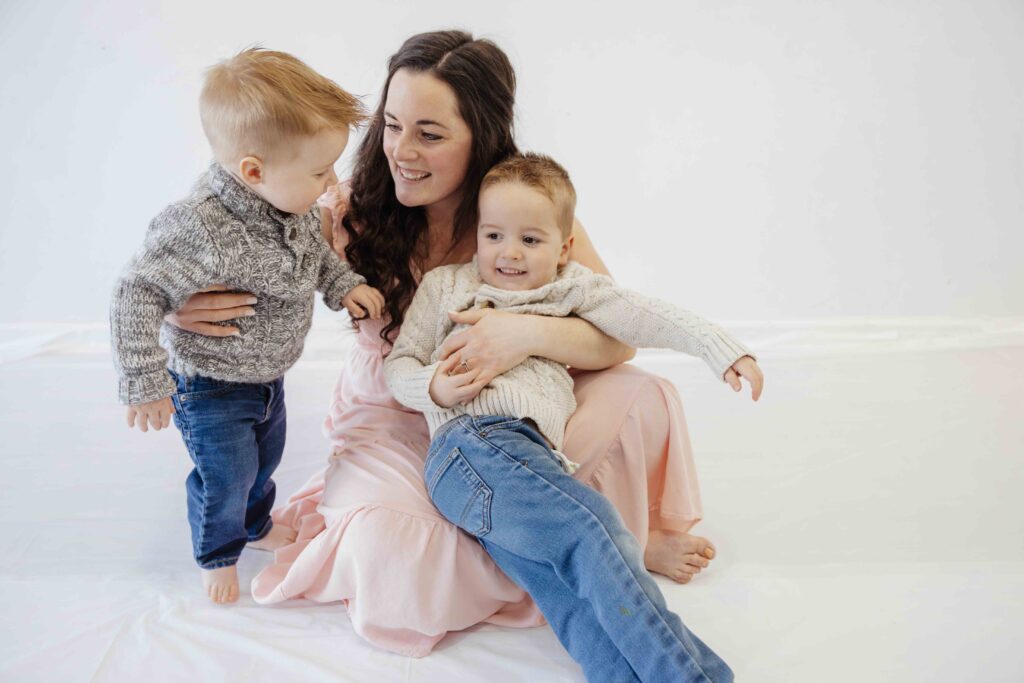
[368, 534]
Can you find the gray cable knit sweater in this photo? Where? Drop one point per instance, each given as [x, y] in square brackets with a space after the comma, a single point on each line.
[538, 388]
[222, 233]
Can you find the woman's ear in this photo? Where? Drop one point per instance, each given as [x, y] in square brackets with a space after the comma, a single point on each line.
[250, 170]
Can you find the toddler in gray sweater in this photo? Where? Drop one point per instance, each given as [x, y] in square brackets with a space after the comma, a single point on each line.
[494, 467]
[276, 129]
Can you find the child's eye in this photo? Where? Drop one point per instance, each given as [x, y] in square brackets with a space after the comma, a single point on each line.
[531, 241]
[492, 236]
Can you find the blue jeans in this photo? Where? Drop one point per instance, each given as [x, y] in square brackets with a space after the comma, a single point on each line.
[235, 436]
[566, 545]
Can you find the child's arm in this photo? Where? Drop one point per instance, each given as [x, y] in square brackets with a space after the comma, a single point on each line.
[643, 321]
[415, 381]
[177, 258]
[343, 287]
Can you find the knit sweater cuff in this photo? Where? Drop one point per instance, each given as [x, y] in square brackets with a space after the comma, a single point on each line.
[412, 388]
[151, 386]
[345, 282]
[721, 351]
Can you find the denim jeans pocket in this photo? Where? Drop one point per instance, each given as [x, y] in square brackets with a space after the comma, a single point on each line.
[459, 493]
[199, 388]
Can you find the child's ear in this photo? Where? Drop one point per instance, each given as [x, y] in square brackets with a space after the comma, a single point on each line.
[563, 257]
[250, 169]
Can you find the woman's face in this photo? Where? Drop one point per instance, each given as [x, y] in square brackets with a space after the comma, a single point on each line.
[425, 140]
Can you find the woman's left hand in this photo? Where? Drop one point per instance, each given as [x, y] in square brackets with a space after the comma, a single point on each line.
[496, 342]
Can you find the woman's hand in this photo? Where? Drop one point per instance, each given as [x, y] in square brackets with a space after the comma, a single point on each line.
[213, 305]
[747, 368]
[496, 342]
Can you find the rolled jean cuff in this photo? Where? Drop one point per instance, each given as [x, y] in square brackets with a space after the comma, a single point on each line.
[220, 562]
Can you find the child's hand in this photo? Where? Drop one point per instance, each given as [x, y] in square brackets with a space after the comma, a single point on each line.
[156, 413]
[747, 368]
[364, 302]
[455, 383]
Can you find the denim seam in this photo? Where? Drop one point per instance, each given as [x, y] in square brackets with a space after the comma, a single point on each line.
[440, 471]
[455, 458]
[223, 562]
[190, 445]
[497, 426]
[607, 538]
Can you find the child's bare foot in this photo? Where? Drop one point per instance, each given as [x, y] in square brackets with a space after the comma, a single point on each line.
[221, 584]
[278, 537]
[678, 556]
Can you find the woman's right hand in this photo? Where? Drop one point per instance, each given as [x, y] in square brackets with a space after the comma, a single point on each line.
[213, 305]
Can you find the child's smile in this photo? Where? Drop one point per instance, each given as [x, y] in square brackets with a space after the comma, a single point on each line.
[519, 245]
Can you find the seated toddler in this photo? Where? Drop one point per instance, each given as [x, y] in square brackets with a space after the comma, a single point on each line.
[494, 467]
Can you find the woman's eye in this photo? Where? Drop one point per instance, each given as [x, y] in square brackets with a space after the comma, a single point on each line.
[431, 137]
[393, 127]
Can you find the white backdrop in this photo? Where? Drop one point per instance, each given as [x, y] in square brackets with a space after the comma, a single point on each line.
[749, 160]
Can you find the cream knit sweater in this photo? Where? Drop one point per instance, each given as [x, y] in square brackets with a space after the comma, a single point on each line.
[538, 388]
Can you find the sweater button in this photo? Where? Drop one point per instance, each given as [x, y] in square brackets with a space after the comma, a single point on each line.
[292, 234]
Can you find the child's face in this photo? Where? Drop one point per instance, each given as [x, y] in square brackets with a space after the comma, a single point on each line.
[303, 173]
[518, 243]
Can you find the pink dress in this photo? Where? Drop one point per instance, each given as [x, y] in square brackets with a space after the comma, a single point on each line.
[369, 537]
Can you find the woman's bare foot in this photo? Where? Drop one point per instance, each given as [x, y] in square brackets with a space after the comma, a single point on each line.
[221, 584]
[676, 555]
[278, 537]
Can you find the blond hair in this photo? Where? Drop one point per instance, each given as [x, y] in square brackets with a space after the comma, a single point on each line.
[259, 99]
[541, 173]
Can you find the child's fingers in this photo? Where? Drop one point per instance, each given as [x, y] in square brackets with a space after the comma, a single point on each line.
[129, 417]
[445, 367]
[733, 380]
[464, 378]
[143, 419]
[471, 391]
[355, 310]
[756, 385]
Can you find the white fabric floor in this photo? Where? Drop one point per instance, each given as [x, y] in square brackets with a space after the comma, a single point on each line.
[868, 515]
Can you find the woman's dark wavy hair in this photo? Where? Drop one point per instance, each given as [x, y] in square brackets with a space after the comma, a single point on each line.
[389, 234]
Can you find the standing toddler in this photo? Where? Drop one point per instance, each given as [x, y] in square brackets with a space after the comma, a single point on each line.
[276, 129]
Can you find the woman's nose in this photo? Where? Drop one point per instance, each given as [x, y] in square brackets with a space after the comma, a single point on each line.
[403, 149]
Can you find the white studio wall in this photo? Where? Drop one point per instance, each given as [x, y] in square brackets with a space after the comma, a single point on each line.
[755, 161]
